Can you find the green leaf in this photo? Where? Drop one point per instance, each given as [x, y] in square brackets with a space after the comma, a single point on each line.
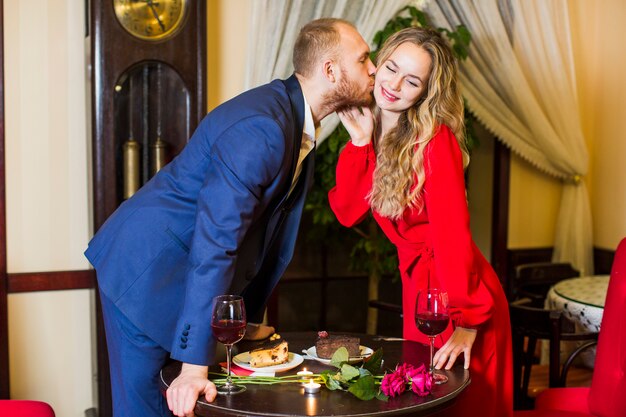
[364, 388]
[349, 372]
[332, 384]
[339, 357]
[374, 362]
[382, 396]
[330, 381]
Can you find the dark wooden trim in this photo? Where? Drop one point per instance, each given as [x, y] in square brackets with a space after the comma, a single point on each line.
[500, 211]
[51, 281]
[602, 260]
[4, 310]
[528, 255]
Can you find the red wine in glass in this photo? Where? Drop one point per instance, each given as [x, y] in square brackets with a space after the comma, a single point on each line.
[432, 318]
[432, 324]
[228, 323]
[229, 332]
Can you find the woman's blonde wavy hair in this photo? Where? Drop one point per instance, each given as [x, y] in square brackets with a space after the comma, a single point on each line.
[399, 174]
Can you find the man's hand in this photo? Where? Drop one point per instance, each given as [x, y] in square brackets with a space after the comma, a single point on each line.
[461, 341]
[258, 331]
[185, 389]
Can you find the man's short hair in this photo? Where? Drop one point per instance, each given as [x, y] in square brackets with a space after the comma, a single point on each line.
[316, 40]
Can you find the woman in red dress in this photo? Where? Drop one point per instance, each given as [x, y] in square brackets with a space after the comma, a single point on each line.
[405, 163]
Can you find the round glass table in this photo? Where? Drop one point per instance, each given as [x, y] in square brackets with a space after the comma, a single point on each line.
[291, 400]
[581, 299]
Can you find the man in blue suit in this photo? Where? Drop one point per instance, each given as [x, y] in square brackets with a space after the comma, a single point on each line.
[221, 218]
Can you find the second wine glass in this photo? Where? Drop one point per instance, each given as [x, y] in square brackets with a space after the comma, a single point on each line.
[229, 325]
[431, 318]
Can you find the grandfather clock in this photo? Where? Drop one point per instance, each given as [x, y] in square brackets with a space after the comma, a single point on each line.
[148, 95]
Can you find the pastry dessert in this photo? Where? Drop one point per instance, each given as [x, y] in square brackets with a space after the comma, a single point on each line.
[326, 344]
[273, 352]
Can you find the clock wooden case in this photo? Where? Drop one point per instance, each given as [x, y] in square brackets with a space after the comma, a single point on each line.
[142, 88]
[148, 77]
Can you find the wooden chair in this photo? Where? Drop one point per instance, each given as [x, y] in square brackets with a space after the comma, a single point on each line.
[533, 280]
[607, 395]
[389, 318]
[530, 324]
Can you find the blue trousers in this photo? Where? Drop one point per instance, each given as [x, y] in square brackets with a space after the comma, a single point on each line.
[135, 361]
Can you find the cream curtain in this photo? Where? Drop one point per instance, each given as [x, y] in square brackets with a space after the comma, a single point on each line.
[519, 81]
[276, 23]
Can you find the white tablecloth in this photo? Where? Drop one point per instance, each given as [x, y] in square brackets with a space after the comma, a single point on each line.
[581, 299]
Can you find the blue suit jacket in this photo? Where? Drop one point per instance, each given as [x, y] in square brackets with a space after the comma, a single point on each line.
[218, 219]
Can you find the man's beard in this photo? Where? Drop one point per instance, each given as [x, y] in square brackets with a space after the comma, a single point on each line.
[347, 94]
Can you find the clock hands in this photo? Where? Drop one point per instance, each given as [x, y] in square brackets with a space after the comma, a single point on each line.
[151, 4]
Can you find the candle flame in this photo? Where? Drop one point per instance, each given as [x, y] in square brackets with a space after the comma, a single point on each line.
[311, 381]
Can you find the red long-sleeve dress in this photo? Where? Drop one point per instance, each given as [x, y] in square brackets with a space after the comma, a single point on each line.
[435, 249]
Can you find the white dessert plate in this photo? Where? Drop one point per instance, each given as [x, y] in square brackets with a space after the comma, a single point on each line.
[243, 361]
[363, 350]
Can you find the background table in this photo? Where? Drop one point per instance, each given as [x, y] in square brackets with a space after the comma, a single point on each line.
[290, 400]
[582, 301]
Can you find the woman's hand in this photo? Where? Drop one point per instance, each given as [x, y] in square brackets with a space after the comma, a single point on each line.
[461, 341]
[185, 389]
[359, 122]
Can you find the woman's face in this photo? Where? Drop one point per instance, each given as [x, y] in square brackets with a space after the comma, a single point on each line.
[403, 78]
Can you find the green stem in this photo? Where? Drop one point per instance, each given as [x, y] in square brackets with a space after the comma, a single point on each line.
[265, 380]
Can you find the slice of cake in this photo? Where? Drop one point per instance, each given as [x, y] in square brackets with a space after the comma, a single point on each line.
[274, 352]
[326, 344]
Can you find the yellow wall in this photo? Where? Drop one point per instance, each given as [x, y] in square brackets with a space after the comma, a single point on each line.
[227, 49]
[50, 345]
[601, 65]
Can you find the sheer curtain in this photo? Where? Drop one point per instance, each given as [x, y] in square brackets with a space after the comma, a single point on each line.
[519, 81]
[276, 23]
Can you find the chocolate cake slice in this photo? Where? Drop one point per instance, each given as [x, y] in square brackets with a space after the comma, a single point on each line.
[326, 344]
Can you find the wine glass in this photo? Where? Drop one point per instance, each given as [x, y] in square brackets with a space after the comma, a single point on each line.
[431, 317]
[229, 325]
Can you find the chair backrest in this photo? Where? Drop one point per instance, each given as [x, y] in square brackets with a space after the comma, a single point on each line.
[529, 324]
[607, 397]
[25, 408]
[533, 280]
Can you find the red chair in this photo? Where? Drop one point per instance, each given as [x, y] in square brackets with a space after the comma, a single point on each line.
[25, 408]
[607, 395]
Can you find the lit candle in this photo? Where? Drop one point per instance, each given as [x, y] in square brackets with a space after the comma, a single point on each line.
[304, 373]
[312, 387]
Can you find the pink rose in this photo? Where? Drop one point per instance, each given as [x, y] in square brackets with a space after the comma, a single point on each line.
[421, 382]
[404, 369]
[393, 384]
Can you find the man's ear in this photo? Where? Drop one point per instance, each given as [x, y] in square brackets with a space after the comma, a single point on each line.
[328, 68]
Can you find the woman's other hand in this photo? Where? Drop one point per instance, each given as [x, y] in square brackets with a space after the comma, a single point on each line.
[359, 122]
[185, 389]
[461, 341]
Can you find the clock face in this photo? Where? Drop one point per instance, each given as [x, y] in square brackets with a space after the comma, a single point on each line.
[151, 20]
